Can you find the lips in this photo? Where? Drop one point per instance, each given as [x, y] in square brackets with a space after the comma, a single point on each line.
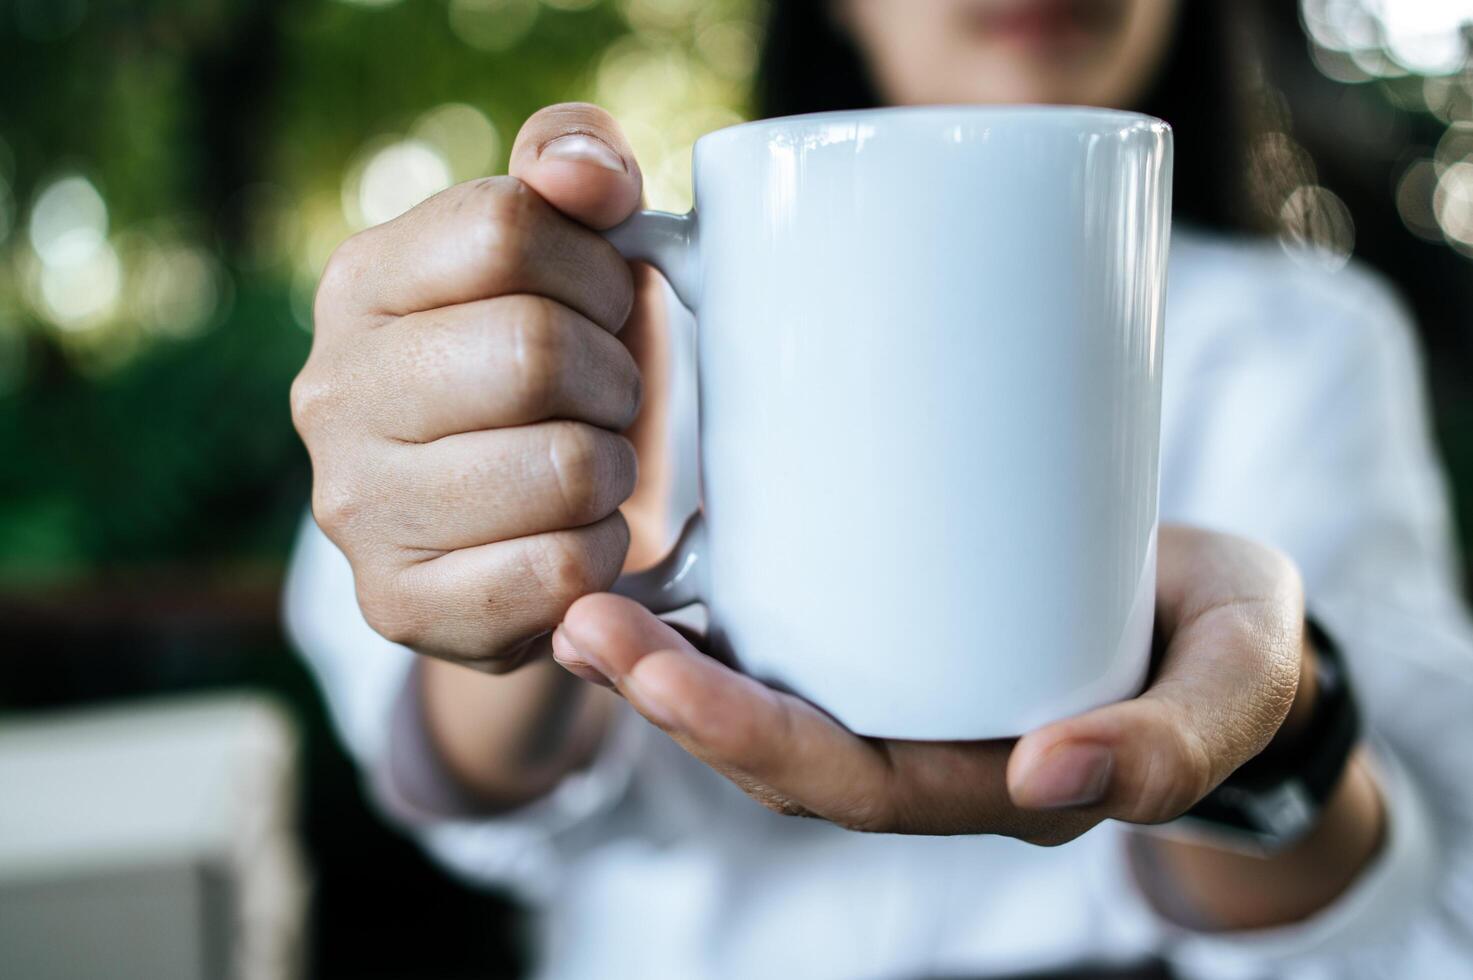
[1042, 22]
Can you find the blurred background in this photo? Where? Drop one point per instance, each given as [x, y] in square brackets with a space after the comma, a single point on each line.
[173, 176]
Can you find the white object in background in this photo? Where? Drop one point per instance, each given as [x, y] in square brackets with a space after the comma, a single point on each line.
[153, 841]
[929, 357]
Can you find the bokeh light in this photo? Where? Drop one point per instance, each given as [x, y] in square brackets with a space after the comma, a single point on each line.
[1414, 194]
[492, 25]
[463, 136]
[1418, 52]
[176, 289]
[1424, 36]
[660, 16]
[391, 179]
[76, 277]
[83, 291]
[666, 94]
[1317, 227]
[1385, 38]
[1448, 97]
[730, 48]
[1453, 203]
[1455, 146]
[68, 221]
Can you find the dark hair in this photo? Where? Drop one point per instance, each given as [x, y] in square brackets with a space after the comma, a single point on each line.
[1210, 87]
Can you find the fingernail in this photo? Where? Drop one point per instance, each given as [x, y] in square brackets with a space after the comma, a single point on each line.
[1072, 775]
[585, 148]
[566, 654]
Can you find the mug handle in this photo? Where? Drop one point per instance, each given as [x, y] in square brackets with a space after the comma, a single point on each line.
[668, 242]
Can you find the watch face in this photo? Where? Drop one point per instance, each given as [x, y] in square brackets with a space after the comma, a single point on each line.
[1222, 835]
[1285, 812]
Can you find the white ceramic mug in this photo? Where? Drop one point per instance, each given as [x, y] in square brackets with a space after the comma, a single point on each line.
[929, 360]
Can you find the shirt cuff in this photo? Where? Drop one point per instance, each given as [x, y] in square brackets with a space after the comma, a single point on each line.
[521, 848]
[411, 779]
[1383, 900]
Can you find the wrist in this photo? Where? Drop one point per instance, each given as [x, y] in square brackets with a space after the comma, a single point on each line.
[509, 739]
[1226, 890]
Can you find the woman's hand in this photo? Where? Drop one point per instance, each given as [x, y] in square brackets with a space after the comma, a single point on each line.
[466, 394]
[1230, 614]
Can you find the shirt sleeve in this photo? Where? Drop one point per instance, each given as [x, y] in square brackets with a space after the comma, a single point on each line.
[372, 691]
[1310, 433]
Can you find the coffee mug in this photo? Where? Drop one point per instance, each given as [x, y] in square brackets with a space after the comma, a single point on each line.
[929, 372]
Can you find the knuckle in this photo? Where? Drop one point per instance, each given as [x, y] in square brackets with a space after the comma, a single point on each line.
[310, 397]
[623, 475]
[583, 462]
[335, 506]
[628, 383]
[387, 609]
[565, 568]
[338, 277]
[503, 224]
[540, 353]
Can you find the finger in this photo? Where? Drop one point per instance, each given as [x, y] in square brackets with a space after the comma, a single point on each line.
[478, 487]
[780, 749]
[576, 157]
[493, 606]
[1234, 616]
[485, 238]
[498, 362]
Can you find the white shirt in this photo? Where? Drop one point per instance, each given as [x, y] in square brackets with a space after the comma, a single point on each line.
[1293, 414]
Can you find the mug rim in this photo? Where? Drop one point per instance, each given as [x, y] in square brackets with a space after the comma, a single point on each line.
[1105, 120]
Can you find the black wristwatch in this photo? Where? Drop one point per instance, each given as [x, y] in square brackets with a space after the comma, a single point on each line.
[1275, 798]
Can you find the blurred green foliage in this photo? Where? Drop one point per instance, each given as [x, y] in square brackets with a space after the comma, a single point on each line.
[151, 428]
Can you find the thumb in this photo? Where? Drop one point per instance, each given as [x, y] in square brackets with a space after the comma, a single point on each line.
[1226, 681]
[603, 636]
[576, 158]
